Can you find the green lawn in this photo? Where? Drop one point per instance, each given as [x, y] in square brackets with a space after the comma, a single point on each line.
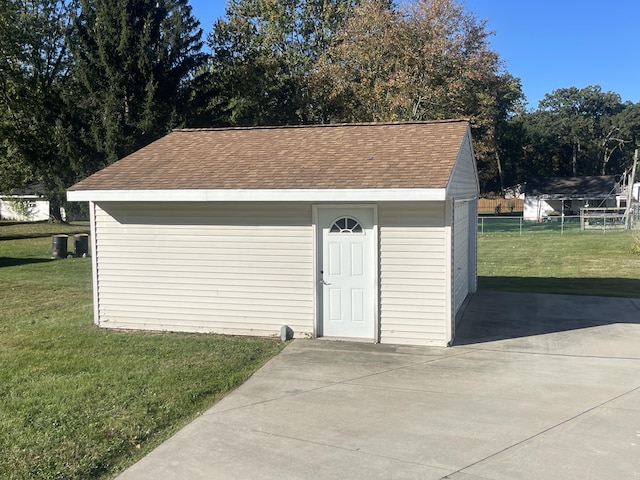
[80, 402]
[542, 260]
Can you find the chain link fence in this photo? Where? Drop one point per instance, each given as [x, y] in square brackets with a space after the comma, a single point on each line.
[561, 224]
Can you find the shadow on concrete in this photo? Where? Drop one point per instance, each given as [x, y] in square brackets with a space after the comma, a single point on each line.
[614, 287]
[15, 262]
[494, 315]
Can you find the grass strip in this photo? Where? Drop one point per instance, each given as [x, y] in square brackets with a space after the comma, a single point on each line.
[575, 263]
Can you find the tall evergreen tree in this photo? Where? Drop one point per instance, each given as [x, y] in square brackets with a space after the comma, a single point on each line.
[134, 63]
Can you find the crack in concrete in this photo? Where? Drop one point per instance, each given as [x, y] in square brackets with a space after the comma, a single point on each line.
[542, 432]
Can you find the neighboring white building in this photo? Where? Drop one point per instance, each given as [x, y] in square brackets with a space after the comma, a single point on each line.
[635, 195]
[27, 204]
[364, 231]
[555, 195]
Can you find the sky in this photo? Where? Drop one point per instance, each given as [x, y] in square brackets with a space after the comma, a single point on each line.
[548, 44]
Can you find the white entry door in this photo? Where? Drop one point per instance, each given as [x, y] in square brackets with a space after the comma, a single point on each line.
[347, 272]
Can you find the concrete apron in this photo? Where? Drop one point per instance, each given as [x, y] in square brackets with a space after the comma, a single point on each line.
[537, 386]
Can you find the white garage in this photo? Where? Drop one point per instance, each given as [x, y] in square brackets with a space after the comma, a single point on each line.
[362, 232]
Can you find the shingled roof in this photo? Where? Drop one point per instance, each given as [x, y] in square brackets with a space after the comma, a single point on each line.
[587, 187]
[355, 156]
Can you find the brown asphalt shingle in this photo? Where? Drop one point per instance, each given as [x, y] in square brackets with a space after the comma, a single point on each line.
[383, 155]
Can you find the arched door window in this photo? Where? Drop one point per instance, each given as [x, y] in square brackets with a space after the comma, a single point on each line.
[346, 225]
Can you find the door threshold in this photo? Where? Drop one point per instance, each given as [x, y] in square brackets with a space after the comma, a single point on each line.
[348, 339]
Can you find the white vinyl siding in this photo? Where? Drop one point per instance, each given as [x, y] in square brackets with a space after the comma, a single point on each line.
[463, 192]
[464, 179]
[413, 296]
[210, 267]
[461, 254]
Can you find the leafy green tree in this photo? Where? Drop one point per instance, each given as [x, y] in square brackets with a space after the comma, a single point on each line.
[577, 132]
[34, 75]
[263, 54]
[621, 139]
[577, 115]
[495, 136]
[542, 152]
[135, 62]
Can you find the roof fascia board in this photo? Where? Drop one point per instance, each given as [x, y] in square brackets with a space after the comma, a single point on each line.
[469, 139]
[261, 195]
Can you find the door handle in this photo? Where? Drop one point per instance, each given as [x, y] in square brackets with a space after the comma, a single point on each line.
[322, 279]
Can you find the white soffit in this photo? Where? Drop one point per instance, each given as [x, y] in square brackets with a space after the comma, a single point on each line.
[266, 195]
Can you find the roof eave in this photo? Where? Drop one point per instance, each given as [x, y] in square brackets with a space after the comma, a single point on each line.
[260, 195]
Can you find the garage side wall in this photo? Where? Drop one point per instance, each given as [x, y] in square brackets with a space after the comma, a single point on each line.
[413, 284]
[226, 268]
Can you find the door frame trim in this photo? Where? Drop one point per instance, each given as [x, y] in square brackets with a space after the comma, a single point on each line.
[317, 253]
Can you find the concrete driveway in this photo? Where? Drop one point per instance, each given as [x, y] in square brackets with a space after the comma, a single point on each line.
[537, 387]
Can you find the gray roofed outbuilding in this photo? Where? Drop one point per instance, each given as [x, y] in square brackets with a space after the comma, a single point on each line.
[588, 187]
[231, 230]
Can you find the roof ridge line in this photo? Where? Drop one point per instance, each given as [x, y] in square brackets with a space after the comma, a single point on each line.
[322, 125]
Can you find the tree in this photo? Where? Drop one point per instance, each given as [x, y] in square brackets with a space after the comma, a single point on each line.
[357, 78]
[65, 112]
[573, 132]
[263, 54]
[134, 64]
[576, 132]
[577, 115]
[622, 138]
[428, 60]
[496, 168]
[34, 74]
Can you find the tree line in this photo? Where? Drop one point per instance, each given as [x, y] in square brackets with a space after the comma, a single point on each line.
[573, 132]
[86, 82]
